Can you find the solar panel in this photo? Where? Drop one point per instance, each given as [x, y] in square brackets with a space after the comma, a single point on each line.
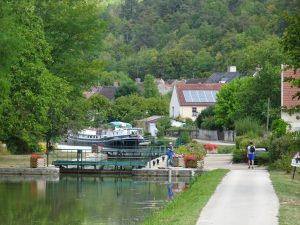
[200, 95]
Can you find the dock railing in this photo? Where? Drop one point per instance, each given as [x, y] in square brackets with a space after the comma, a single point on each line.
[117, 157]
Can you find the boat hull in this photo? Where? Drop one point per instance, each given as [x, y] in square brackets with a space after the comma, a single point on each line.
[111, 142]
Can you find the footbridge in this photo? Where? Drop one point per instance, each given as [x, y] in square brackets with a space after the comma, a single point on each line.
[108, 158]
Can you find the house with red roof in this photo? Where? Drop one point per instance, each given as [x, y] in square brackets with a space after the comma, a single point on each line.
[288, 100]
[188, 100]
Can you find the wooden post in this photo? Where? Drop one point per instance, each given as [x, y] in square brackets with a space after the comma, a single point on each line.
[294, 171]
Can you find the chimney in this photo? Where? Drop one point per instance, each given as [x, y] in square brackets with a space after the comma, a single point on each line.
[231, 69]
[116, 84]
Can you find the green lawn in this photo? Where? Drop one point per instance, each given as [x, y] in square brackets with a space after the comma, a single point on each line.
[288, 192]
[186, 207]
[14, 161]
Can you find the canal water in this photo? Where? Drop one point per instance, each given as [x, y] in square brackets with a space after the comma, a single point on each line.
[78, 200]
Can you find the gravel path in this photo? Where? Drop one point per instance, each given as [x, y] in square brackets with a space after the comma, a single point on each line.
[244, 197]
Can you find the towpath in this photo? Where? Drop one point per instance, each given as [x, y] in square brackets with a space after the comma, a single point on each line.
[244, 197]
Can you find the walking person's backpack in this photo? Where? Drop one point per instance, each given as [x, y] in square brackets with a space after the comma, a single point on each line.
[252, 149]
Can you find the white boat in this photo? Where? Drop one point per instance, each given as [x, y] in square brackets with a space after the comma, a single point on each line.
[119, 135]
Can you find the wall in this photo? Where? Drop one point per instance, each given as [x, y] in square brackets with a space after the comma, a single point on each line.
[291, 120]
[174, 103]
[186, 111]
[207, 134]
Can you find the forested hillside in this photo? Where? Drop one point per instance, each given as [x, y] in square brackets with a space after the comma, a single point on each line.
[191, 38]
[52, 51]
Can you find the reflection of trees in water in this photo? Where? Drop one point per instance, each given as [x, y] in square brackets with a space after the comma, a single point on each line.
[20, 206]
[78, 199]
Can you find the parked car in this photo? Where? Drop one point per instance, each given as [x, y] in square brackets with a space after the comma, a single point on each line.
[261, 155]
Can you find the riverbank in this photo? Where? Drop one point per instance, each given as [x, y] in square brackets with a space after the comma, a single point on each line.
[185, 208]
[15, 161]
[288, 192]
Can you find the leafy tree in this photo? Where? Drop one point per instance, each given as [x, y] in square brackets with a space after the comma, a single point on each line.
[158, 106]
[127, 89]
[162, 125]
[150, 88]
[258, 54]
[291, 41]
[228, 102]
[74, 31]
[129, 108]
[100, 110]
[253, 98]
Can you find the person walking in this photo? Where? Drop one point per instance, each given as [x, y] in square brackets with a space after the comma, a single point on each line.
[170, 155]
[251, 155]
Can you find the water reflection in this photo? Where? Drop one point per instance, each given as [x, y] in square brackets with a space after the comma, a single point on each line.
[82, 199]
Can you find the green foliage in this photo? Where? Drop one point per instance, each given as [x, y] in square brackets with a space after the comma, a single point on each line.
[248, 97]
[127, 89]
[253, 98]
[129, 108]
[238, 156]
[207, 120]
[248, 126]
[283, 163]
[280, 147]
[262, 158]
[279, 128]
[209, 123]
[191, 148]
[162, 125]
[225, 149]
[150, 88]
[241, 142]
[74, 31]
[99, 110]
[290, 39]
[227, 102]
[185, 137]
[189, 122]
[157, 106]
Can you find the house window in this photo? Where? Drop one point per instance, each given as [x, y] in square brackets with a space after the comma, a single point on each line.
[194, 111]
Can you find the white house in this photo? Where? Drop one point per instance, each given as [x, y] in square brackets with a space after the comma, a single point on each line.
[188, 100]
[287, 98]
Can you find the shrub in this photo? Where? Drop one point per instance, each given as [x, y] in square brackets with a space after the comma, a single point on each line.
[185, 137]
[284, 163]
[193, 148]
[262, 158]
[238, 155]
[210, 147]
[192, 157]
[279, 147]
[249, 126]
[282, 151]
[241, 142]
[225, 149]
[279, 128]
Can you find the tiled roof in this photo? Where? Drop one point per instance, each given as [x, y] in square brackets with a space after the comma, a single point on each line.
[107, 91]
[288, 91]
[222, 77]
[196, 81]
[201, 87]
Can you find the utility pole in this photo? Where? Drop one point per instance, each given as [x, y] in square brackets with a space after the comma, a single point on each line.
[268, 115]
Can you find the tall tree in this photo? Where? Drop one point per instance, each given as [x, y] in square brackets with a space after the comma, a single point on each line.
[74, 31]
[150, 87]
[291, 40]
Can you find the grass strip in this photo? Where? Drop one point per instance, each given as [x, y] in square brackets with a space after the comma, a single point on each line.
[288, 192]
[186, 207]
